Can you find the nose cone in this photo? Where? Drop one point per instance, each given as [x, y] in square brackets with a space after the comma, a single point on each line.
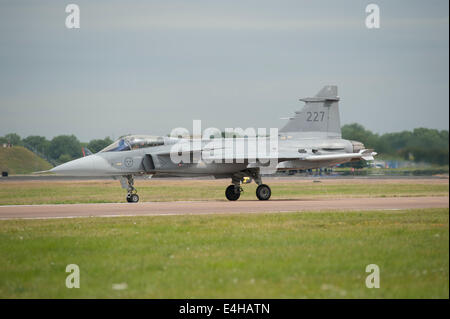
[92, 165]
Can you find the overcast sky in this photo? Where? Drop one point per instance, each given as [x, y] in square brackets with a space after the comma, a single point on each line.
[149, 66]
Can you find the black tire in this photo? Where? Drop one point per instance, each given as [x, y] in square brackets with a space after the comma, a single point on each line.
[128, 198]
[134, 198]
[231, 194]
[263, 192]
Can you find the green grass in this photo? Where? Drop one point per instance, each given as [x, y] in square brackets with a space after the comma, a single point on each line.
[48, 192]
[19, 160]
[290, 255]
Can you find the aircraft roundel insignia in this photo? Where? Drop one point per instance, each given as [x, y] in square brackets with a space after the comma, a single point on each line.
[128, 162]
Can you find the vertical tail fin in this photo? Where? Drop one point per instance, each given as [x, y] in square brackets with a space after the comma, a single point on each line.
[319, 116]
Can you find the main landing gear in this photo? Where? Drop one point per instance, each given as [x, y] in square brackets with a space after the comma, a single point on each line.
[128, 182]
[263, 192]
[233, 192]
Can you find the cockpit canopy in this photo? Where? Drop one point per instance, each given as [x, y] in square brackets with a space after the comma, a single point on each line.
[134, 142]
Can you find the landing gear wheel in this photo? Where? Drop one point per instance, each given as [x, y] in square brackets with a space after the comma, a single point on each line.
[263, 192]
[231, 193]
[132, 198]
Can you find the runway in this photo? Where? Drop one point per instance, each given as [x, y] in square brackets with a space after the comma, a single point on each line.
[217, 207]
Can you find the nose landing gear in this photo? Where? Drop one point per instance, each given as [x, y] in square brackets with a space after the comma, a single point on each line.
[132, 198]
[128, 182]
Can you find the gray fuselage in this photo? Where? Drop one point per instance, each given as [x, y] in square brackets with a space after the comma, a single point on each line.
[156, 160]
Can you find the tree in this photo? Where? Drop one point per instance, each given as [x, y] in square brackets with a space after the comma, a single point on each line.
[37, 143]
[64, 144]
[97, 145]
[64, 158]
[13, 138]
[394, 143]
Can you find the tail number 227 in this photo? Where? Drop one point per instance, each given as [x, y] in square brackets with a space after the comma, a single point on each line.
[315, 116]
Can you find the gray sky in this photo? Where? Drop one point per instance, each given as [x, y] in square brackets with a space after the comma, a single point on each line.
[149, 66]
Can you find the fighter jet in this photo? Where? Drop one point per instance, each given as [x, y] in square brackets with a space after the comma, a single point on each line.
[310, 139]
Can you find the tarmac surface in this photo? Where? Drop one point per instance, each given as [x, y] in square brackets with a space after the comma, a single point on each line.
[217, 207]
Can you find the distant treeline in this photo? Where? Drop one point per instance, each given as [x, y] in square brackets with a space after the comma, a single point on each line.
[59, 149]
[420, 145]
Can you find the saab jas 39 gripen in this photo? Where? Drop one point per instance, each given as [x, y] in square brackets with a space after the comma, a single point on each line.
[310, 139]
